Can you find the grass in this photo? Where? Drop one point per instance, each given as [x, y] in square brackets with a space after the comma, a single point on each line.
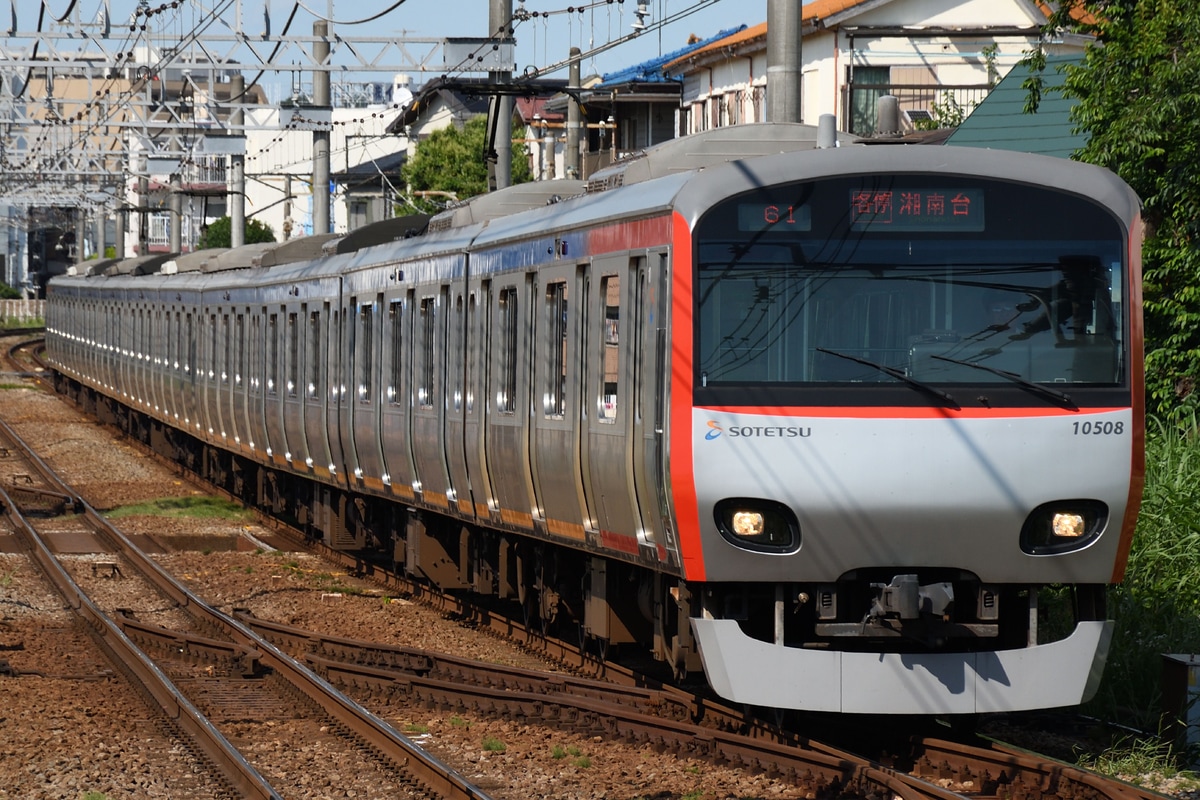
[1156, 607]
[195, 507]
[493, 745]
[1146, 762]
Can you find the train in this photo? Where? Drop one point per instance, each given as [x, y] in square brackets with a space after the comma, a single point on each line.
[854, 429]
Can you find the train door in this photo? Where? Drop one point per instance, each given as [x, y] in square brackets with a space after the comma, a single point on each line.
[336, 345]
[241, 381]
[188, 374]
[650, 355]
[124, 361]
[429, 398]
[509, 397]
[320, 400]
[174, 367]
[164, 375]
[137, 385]
[292, 389]
[224, 403]
[155, 344]
[365, 402]
[456, 403]
[276, 443]
[141, 366]
[394, 416]
[113, 339]
[256, 402]
[475, 394]
[557, 362]
[209, 376]
[612, 403]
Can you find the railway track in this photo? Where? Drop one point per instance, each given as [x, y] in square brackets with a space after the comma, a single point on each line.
[202, 683]
[644, 711]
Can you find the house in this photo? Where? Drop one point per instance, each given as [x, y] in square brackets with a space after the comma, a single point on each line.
[939, 57]
[369, 190]
[1000, 121]
[452, 101]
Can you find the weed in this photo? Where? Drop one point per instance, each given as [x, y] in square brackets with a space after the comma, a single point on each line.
[557, 752]
[416, 727]
[459, 722]
[493, 745]
[197, 507]
[1147, 762]
[583, 763]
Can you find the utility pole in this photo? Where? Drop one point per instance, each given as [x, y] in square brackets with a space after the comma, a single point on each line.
[784, 60]
[237, 164]
[143, 245]
[176, 218]
[320, 171]
[571, 151]
[500, 28]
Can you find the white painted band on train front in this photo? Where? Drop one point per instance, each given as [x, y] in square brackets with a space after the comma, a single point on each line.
[746, 670]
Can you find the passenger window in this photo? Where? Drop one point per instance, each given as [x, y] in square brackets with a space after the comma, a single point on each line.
[556, 339]
[456, 350]
[395, 323]
[314, 354]
[366, 350]
[293, 353]
[272, 354]
[610, 363]
[256, 365]
[240, 344]
[506, 392]
[428, 316]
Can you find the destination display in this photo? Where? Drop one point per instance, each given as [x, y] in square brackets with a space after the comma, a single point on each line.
[958, 210]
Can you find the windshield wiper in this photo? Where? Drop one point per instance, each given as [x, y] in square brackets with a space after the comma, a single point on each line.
[1062, 398]
[898, 374]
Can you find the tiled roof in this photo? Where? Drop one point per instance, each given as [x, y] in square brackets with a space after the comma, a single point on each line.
[811, 15]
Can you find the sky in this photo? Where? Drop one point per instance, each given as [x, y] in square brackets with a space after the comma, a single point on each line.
[543, 40]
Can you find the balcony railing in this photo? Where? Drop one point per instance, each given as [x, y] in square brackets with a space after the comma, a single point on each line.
[941, 104]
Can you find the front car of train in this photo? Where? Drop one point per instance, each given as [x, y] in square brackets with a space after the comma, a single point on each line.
[906, 425]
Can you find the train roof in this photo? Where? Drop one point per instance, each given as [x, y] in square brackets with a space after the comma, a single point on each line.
[1085, 180]
[139, 265]
[503, 203]
[718, 146]
[376, 233]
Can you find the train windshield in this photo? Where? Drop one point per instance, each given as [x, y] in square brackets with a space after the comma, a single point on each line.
[920, 278]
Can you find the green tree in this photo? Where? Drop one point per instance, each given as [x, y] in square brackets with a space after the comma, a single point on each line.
[452, 160]
[1138, 92]
[219, 233]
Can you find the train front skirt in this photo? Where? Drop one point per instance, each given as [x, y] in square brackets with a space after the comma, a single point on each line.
[746, 670]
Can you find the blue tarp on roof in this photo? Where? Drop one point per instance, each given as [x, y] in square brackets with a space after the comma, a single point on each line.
[651, 71]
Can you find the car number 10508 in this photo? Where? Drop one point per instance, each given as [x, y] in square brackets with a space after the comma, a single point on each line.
[1089, 428]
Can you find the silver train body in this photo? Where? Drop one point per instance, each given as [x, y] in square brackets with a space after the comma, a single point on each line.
[839, 427]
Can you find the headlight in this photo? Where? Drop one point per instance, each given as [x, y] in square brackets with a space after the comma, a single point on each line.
[756, 524]
[1063, 526]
